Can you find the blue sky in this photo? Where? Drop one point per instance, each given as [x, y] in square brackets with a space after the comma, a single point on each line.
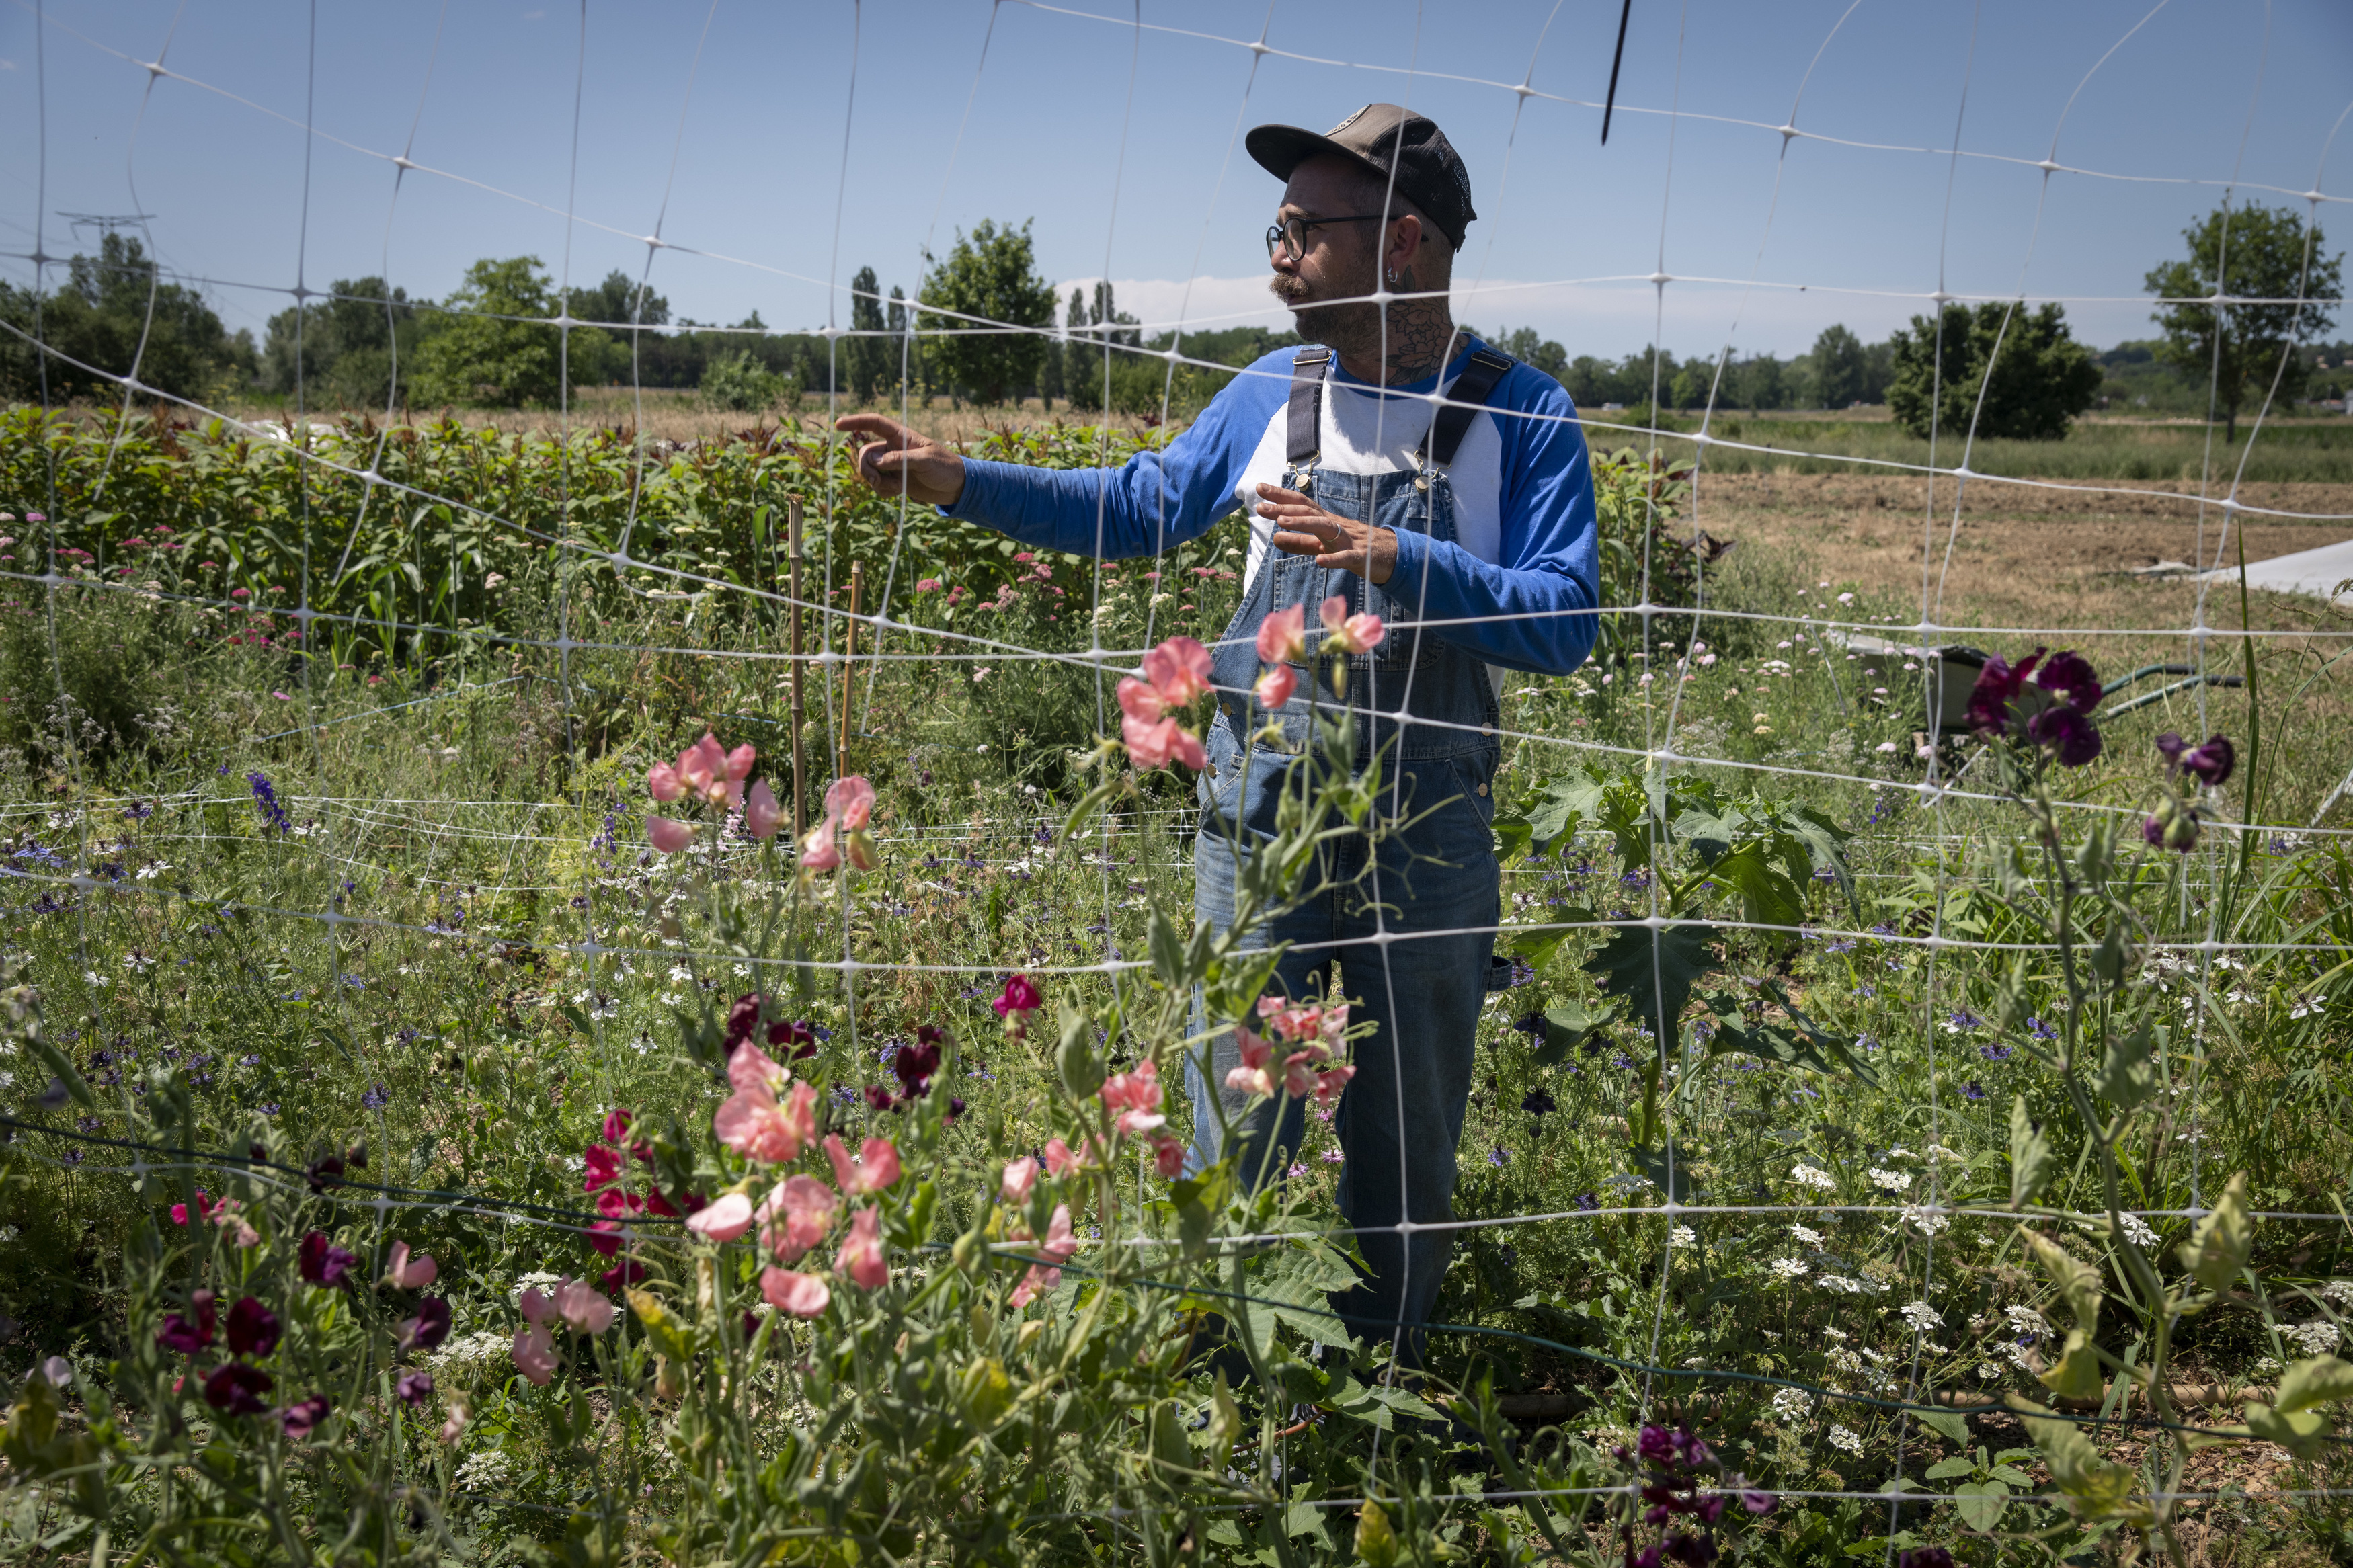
[1119, 145]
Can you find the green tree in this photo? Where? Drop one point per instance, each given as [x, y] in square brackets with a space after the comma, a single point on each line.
[1530, 349]
[112, 314]
[736, 383]
[870, 359]
[2244, 350]
[494, 347]
[990, 280]
[1841, 368]
[355, 349]
[1998, 370]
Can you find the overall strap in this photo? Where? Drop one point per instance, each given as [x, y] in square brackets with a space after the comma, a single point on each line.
[1305, 435]
[1464, 399]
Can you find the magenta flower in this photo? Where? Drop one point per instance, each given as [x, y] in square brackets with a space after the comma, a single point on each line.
[2209, 763]
[302, 1418]
[599, 1166]
[415, 1388]
[2070, 674]
[323, 1262]
[2070, 734]
[1998, 686]
[1020, 996]
[236, 1388]
[428, 1328]
[252, 1329]
[188, 1335]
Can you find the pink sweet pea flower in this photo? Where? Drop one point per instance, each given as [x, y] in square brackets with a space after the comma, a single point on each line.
[1169, 1156]
[584, 1307]
[703, 764]
[1331, 1081]
[599, 1166]
[663, 783]
[1333, 1025]
[1060, 1240]
[1345, 633]
[762, 815]
[724, 1218]
[749, 1066]
[802, 1295]
[818, 850]
[1252, 1077]
[850, 801]
[876, 1167]
[537, 1307]
[1020, 996]
[1020, 1180]
[408, 1273]
[1299, 1075]
[1283, 637]
[1040, 1280]
[1140, 700]
[738, 765]
[808, 1206]
[1153, 745]
[535, 1354]
[862, 1255]
[1180, 670]
[669, 836]
[1059, 1161]
[755, 1126]
[1275, 687]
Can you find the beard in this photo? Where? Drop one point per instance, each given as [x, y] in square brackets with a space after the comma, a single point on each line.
[1351, 326]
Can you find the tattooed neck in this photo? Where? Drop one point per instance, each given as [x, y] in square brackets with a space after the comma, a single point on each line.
[1420, 336]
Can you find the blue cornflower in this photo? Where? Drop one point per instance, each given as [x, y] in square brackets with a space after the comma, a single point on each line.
[1971, 1091]
[2041, 1030]
[1521, 972]
[376, 1098]
[354, 982]
[1997, 1053]
[1961, 1020]
[1499, 1155]
[1865, 992]
[1843, 944]
[1868, 1042]
[1587, 1202]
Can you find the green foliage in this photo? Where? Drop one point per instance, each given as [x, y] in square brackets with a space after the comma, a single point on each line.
[2243, 354]
[112, 315]
[738, 384]
[1997, 371]
[990, 280]
[356, 349]
[494, 347]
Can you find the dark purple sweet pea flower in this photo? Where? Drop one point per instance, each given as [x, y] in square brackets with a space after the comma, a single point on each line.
[2211, 763]
[415, 1388]
[1758, 1503]
[252, 1327]
[1696, 1549]
[1925, 1557]
[2069, 673]
[2067, 732]
[915, 1065]
[2152, 831]
[189, 1334]
[1656, 1445]
[1998, 686]
[298, 1420]
[236, 1388]
[323, 1262]
[428, 1328]
[878, 1097]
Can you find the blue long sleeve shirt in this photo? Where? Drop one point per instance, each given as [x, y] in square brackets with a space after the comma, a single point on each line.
[1520, 582]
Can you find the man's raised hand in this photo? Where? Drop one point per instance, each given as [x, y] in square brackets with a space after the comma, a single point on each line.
[898, 462]
[1302, 528]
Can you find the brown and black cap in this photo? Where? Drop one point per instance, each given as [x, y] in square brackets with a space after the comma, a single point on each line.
[1396, 145]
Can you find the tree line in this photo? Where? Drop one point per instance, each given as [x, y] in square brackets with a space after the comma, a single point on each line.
[985, 331]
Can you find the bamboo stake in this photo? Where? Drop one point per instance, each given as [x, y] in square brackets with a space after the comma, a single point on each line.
[800, 713]
[849, 653]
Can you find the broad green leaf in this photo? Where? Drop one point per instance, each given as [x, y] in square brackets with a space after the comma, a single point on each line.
[1514, 834]
[1081, 1070]
[664, 1330]
[1980, 1504]
[1167, 945]
[1707, 834]
[1768, 896]
[1304, 1517]
[1535, 945]
[2078, 1282]
[1945, 1469]
[2076, 1375]
[2218, 1248]
[1953, 1428]
[2098, 1489]
[1566, 1026]
[2320, 1381]
[2128, 1074]
[2031, 1156]
[988, 1394]
[1168, 1444]
[1654, 969]
[2304, 1433]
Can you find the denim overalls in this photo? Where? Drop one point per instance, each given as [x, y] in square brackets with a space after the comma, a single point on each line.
[1429, 708]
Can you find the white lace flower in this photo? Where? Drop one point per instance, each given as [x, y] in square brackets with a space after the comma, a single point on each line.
[1787, 1268]
[1842, 1283]
[1789, 1404]
[1681, 1235]
[1840, 1437]
[1922, 1317]
[1808, 1177]
[2026, 1321]
[1894, 1180]
[2315, 1338]
[2137, 1231]
[1988, 1371]
[1810, 1237]
[1926, 1221]
[2339, 1292]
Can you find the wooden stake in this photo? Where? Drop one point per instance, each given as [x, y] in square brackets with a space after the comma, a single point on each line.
[849, 653]
[800, 713]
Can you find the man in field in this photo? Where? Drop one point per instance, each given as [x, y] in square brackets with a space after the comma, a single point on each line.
[1466, 522]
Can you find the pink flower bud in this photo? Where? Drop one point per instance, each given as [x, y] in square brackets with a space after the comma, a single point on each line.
[1275, 687]
[724, 1218]
[1020, 1180]
[802, 1295]
[669, 836]
[663, 783]
[762, 815]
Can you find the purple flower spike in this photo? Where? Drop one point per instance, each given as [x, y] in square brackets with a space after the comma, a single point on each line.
[2072, 737]
[2211, 763]
[2069, 673]
[1998, 686]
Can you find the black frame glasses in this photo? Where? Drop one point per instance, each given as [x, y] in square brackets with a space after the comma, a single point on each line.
[1291, 233]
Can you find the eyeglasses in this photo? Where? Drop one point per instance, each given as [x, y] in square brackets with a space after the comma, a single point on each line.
[1291, 235]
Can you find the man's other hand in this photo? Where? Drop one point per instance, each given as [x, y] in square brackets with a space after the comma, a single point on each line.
[898, 462]
[1302, 528]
